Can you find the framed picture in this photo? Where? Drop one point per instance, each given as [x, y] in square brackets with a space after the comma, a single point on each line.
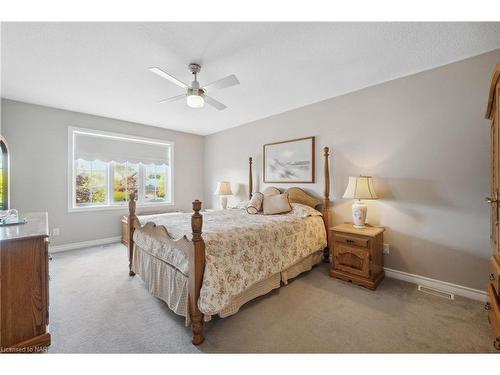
[289, 161]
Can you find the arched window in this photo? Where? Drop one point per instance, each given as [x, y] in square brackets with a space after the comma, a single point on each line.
[4, 175]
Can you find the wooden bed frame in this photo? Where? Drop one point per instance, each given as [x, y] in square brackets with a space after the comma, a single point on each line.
[194, 249]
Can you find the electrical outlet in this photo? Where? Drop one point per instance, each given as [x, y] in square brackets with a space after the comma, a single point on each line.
[56, 232]
[386, 249]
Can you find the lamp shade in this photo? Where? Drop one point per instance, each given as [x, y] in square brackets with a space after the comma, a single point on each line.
[360, 187]
[223, 188]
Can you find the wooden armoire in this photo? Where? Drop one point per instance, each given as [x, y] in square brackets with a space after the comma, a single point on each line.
[493, 288]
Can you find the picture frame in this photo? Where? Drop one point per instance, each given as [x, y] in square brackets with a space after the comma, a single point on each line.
[291, 161]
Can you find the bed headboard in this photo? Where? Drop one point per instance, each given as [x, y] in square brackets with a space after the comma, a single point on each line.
[300, 196]
[297, 195]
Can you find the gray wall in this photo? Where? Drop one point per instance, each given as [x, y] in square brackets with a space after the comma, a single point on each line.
[37, 138]
[423, 138]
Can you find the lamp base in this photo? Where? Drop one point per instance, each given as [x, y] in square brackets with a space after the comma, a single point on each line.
[223, 202]
[359, 211]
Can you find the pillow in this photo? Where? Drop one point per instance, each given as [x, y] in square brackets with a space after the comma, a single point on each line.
[271, 190]
[276, 204]
[255, 204]
[303, 211]
[242, 205]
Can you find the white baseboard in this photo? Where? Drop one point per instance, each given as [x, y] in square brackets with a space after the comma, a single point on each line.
[459, 290]
[79, 245]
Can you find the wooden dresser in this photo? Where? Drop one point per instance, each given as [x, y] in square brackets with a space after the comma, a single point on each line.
[357, 254]
[493, 287]
[24, 285]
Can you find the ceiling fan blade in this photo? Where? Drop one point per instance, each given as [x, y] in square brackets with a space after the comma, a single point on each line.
[165, 75]
[222, 83]
[173, 98]
[214, 103]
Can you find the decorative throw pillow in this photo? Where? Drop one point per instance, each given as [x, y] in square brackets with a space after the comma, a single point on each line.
[271, 190]
[303, 211]
[276, 204]
[255, 204]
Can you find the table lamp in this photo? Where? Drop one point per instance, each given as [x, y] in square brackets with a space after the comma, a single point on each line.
[223, 190]
[360, 187]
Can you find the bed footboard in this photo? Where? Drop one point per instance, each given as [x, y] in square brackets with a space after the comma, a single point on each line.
[194, 250]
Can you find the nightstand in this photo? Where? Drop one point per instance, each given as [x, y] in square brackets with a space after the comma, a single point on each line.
[357, 254]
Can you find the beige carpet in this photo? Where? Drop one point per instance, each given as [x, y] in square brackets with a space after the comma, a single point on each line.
[97, 308]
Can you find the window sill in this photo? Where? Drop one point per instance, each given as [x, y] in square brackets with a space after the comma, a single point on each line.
[117, 208]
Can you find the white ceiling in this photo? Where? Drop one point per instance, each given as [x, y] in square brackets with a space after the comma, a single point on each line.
[101, 68]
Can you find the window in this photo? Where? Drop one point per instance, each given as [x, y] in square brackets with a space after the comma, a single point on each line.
[4, 175]
[107, 167]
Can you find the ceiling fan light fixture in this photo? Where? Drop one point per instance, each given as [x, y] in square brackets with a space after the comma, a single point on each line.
[196, 96]
[195, 101]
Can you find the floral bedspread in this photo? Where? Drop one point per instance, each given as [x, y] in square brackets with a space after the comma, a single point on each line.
[241, 249]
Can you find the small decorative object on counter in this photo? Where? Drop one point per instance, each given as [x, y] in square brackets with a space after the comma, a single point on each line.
[9, 217]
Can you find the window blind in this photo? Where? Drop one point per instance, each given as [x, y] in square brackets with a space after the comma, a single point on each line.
[106, 148]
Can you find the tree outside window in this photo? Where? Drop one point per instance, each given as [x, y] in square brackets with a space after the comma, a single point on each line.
[91, 182]
[125, 181]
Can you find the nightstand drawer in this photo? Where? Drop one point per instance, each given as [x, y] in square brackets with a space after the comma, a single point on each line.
[351, 241]
[351, 259]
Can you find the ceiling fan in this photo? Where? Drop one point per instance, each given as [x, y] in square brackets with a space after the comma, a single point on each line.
[195, 95]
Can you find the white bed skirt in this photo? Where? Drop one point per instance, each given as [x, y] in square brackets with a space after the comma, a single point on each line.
[171, 286]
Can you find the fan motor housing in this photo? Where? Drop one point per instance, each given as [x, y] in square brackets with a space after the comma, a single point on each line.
[194, 68]
[193, 91]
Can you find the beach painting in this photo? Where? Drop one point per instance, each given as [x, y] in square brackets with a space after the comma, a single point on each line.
[289, 161]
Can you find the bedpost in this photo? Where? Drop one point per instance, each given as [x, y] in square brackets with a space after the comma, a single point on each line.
[196, 269]
[131, 226]
[250, 178]
[326, 202]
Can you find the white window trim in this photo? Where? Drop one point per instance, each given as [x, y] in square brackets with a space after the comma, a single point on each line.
[124, 208]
